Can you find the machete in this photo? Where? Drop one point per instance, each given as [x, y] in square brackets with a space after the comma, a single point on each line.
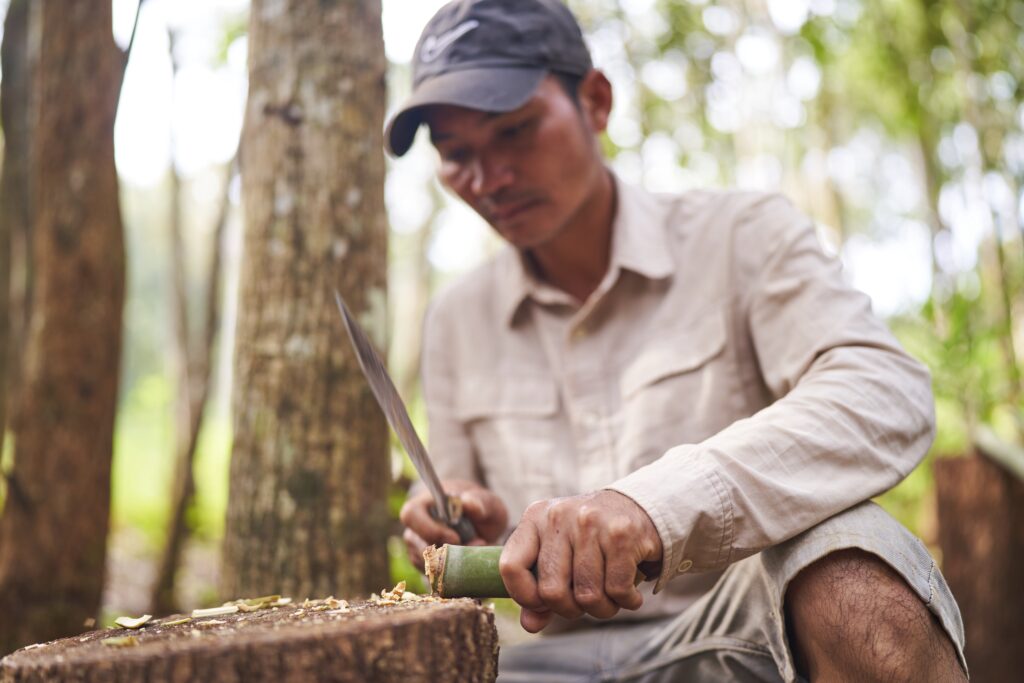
[447, 509]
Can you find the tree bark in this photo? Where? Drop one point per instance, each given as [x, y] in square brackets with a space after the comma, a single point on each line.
[14, 204]
[307, 511]
[428, 641]
[53, 531]
[981, 533]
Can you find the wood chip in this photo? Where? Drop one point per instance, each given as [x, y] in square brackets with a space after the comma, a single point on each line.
[123, 641]
[214, 611]
[395, 593]
[133, 623]
[254, 604]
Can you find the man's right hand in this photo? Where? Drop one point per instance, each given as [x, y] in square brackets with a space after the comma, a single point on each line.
[482, 506]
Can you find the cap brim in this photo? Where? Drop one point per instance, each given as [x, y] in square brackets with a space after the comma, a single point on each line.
[487, 89]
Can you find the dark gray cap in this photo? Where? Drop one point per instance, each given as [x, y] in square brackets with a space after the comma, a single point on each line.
[488, 55]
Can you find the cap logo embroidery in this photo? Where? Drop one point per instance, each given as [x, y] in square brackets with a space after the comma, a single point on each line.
[433, 46]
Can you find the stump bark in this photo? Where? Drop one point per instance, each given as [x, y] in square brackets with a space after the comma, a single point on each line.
[422, 640]
[981, 532]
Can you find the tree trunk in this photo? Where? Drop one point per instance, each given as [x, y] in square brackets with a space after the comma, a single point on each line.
[53, 531]
[307, 510]
[428, 641]
[14, 204]
[981, 532]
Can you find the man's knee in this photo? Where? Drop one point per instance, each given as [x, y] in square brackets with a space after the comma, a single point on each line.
[850, 613]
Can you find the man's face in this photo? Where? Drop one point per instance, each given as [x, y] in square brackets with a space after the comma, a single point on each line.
[528, 172]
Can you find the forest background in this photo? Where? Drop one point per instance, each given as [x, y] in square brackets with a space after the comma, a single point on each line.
[898, 125]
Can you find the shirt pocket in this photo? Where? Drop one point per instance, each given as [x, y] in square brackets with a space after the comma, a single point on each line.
[512, 422]
[675, 390]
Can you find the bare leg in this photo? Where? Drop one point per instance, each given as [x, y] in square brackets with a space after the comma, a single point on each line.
[851, 617]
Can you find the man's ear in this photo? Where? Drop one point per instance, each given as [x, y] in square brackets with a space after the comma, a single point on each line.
[596, 100]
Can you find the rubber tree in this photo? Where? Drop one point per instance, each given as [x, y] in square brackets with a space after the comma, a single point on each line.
[307, 512]
[54, 527]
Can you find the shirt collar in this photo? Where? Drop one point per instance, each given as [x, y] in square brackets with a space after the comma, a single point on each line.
[639, 244]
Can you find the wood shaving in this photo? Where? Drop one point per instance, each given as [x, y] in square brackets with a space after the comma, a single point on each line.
[340, 610]
[254, 604]
[330, 604]
[133, 623]
[123, 641]
[214, 611]
[395, 593]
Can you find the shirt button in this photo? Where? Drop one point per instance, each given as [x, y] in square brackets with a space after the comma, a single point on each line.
[590, 419]
[684, 566]
[579, 333]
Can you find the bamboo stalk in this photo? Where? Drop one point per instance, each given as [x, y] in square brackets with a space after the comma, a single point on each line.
[462, 571]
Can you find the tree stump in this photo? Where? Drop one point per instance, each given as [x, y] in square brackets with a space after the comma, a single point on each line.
[422, 639]
[981, 532]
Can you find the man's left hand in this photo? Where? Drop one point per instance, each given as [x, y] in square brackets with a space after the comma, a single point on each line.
[586, 550]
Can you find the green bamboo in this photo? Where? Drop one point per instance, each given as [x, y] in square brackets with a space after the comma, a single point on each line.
[462, 571]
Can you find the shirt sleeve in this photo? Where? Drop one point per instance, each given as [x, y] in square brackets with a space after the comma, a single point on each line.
[451, 449]
[853, 413]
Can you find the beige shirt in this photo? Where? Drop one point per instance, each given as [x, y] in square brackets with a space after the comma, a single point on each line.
[723, 376]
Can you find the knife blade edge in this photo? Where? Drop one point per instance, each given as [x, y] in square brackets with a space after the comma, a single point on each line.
[394, 409]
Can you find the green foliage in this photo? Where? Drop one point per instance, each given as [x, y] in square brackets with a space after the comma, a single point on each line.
[143, 466]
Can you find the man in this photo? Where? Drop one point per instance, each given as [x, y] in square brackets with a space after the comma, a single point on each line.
[681, 384]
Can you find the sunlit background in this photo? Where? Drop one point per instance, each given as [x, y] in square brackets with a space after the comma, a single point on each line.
[905, 146]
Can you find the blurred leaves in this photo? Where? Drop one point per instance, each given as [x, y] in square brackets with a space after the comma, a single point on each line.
[882, 119]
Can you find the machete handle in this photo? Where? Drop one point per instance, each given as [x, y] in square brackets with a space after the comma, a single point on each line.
[465, 529]
[461, 524]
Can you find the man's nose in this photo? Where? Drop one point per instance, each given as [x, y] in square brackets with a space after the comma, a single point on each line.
[490, 174]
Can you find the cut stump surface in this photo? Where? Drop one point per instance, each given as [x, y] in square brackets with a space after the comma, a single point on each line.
[426, 639]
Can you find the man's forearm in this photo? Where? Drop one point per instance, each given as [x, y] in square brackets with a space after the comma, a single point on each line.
[857, 423]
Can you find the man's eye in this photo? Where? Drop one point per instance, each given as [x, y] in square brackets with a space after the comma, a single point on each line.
[516, 130]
